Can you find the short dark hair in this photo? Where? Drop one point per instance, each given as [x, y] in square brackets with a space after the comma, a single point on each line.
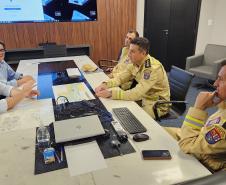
[3, 44]
[142, 42]
[135, 32]
[223, 63]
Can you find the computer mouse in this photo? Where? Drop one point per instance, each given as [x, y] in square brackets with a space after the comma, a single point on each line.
[140, 137]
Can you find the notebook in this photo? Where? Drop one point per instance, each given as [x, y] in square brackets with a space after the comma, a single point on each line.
[77, 128]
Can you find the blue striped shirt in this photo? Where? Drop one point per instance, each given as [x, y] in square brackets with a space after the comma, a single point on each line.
[7, 75]
[5, 91]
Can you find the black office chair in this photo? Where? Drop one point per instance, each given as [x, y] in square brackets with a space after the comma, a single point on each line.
[52, 50]
[179, 81]
[218, 178]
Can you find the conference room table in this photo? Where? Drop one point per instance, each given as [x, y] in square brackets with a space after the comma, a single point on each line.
[17, 148]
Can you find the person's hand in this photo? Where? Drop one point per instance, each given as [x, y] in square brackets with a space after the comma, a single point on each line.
[205, 100]
[104, 94]
[28, 78]
[25, 79]
[33, 93]
[28, 85]
[101, 87]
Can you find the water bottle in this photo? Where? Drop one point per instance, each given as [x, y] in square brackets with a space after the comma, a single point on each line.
[43, 138]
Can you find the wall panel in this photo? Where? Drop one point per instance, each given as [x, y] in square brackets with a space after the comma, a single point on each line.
[106, 36]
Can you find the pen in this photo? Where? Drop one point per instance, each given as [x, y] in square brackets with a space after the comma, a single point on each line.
[58, 159]
[61, 155]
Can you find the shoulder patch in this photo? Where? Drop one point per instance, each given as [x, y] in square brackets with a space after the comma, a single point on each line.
[147, 63]
[147, 74]
[213, 121]
[127, 61]
[214, 135]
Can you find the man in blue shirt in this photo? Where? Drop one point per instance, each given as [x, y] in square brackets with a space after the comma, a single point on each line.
[7, 75]
[15, 95]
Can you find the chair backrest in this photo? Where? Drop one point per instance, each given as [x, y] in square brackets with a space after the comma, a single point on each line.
[213, 52]
[179, 81]
[55, 51]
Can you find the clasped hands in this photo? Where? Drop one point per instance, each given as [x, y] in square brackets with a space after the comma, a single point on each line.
[101, 91]
[27, 89]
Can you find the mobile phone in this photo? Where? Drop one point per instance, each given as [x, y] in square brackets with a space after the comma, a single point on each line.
[156, 154]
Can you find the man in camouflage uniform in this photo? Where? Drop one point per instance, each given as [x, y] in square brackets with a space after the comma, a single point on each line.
[151, 78]
[204, 136]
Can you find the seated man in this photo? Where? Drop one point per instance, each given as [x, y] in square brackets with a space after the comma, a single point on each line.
[7, 74]
[15, 95]
[151, 78]
[203, 136]
[123, 59]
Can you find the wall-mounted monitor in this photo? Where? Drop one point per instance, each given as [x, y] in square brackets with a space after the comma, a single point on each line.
[13, 11]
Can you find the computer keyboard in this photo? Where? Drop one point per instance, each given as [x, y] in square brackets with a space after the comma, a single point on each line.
[128, 120]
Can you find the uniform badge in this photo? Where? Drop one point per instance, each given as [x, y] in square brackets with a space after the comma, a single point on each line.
[214, 135]
[147, 74]
[213, 121]
[127, 61]
[147, 63]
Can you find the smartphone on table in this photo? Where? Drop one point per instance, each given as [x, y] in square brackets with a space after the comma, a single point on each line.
[156, 154]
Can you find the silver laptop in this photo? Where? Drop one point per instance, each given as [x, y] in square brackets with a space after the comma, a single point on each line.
[77, 128]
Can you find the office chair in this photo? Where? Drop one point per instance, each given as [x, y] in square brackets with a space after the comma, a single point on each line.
[207, 65]
[179, 81]
[52, 50]
[218, 178]
[107, 65]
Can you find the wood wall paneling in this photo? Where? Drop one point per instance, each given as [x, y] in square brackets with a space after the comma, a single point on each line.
[106, 35]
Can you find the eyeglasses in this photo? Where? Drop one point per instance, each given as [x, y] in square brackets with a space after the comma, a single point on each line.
[2, 50]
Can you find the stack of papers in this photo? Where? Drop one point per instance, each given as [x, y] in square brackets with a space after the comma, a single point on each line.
[73, 72]
[84, 158]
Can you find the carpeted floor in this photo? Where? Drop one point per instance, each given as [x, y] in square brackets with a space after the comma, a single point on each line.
[190, 98]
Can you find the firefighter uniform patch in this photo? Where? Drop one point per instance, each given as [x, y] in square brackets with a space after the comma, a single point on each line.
[147, 63]
[214, 135]
[213, 121]
[127, 61]
[147, 74]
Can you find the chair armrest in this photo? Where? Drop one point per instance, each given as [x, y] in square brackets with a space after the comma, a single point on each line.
[194, 61]
[217, 66]
[156, 105]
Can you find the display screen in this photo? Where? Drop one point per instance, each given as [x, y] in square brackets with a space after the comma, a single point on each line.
[12, 11]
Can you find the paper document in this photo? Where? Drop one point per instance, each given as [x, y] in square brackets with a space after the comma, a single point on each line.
[84, 158]
[73, 72]
[27, 114]
[73, 92]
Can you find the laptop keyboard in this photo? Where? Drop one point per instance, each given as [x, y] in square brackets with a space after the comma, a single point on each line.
[129, 122]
